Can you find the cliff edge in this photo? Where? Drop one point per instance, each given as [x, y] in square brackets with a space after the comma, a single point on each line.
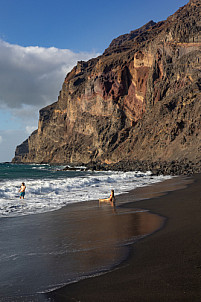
[140, 100]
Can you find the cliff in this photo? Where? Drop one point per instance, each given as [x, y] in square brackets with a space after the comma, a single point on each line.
[140, 100]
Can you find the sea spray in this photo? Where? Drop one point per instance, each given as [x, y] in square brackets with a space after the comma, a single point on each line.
[50, 188]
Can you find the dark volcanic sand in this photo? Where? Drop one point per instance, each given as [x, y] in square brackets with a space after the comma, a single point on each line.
[165, 266]
[39, 253]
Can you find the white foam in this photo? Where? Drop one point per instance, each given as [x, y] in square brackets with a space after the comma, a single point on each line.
[50, 194]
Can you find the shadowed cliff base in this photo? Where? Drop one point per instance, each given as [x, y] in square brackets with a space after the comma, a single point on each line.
[183, 167]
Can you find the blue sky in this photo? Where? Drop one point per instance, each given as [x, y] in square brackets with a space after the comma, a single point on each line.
[40, 41]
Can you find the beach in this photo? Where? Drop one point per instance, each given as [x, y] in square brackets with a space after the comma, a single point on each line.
[43, 249]
[146, 248]
[165, 266]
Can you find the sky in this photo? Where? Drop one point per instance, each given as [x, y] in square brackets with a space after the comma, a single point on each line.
[42, 40]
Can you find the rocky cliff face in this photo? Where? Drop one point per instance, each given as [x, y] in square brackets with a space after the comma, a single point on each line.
[140, 100]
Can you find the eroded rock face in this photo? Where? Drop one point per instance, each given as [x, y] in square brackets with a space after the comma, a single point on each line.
[140, 100]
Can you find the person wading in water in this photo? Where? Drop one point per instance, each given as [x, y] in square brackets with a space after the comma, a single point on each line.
[22, 190]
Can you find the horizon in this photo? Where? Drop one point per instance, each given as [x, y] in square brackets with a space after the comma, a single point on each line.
[39, 46]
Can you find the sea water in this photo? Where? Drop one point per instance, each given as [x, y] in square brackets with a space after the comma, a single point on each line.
[49, 187]
[59, 234]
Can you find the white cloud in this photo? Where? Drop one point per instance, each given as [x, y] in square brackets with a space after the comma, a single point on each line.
[30, 78]
[34, 75]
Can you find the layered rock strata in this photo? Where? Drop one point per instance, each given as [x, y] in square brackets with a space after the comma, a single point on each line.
[140, 100]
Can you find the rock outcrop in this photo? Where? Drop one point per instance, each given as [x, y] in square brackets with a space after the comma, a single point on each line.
[140, 100]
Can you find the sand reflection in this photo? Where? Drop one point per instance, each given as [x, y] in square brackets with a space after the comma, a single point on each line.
[49, 250]
[102, 235]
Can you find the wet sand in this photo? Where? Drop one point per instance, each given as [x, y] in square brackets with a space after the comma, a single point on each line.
[41, 252]
[165, 266]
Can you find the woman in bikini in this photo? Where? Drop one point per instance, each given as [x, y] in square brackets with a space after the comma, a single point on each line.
[109, 199]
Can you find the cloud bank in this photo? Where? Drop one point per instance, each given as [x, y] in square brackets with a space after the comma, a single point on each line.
[34, 75]
[30, 79]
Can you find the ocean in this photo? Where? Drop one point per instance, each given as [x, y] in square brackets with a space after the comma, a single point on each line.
[59, 233]
[49, 188]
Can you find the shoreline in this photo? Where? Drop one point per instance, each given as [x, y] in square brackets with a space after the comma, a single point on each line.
[173, 167]
[39, 245]
[160, 167]
[49, 188]
[130, 281]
